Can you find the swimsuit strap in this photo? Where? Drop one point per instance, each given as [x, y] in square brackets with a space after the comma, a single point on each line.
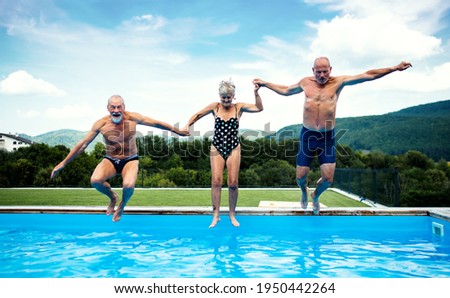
[217, 112]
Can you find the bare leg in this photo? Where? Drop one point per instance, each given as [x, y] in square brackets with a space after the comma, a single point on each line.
[216, 190]
[106, 189]
[302, 173]
[129, 176]
[215, 220]
[127, 193]
[327, 172]
[217, 167]
[232, 201]
[233, 165]
[112, 204]
[102, 172]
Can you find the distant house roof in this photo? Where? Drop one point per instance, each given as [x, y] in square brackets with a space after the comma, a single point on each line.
[16, 137]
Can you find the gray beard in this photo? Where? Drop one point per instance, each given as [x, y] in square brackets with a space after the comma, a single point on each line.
[116, 120]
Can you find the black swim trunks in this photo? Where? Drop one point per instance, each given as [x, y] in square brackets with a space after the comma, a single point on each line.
[120, 163]
[312, 143]
[225, 137]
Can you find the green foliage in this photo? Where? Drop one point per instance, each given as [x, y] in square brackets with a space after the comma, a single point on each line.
[275, 173]
[423, 128]
[267, 162]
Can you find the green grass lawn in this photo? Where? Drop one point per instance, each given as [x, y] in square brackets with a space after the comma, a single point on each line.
[160, 197]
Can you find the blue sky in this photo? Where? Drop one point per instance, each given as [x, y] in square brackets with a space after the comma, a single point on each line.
[61, 60]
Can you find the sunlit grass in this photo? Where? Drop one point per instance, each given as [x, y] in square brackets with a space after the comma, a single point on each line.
[160, 197]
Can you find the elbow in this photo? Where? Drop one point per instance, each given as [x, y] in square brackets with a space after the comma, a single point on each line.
[285, 93]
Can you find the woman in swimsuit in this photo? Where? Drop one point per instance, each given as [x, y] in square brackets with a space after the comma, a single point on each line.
[226, 149]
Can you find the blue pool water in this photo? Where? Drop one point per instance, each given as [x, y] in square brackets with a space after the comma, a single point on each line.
[81, 245]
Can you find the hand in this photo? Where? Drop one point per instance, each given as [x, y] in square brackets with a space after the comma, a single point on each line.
[403, 65]
[56, 170]
[257, 88]
[184, 132]
[259, 82]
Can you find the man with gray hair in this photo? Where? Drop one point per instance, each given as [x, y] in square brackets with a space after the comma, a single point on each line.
[119, 133]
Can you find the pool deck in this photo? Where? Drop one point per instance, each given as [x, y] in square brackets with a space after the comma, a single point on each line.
[442, 213]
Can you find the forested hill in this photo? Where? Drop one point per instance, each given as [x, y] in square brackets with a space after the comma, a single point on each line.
[425, 128]
[66, 137]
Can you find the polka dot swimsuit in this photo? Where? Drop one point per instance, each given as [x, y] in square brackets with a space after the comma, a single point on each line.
[225, 137]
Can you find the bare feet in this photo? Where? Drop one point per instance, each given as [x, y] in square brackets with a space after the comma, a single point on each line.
[304, 199]
[118, 213]
[215, 220]
[112, 204]
[234, 221]
[316, 204]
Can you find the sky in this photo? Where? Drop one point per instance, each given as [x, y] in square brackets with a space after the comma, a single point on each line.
[60, 60]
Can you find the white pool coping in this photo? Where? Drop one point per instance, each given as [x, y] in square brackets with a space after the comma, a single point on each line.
[442, 213]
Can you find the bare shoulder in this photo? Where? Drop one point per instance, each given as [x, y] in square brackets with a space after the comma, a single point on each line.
[101, 122]
[338, 80]
[213, 105]
[132, 116]
[306, 81]
[210, 108]
[240, 105]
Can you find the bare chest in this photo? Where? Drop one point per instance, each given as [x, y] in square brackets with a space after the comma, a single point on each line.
[120, 133]
[320, 101]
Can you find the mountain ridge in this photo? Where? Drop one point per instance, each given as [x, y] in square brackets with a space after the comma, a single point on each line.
[424, 128]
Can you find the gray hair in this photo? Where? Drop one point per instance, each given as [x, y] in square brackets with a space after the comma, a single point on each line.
[321, 58]
[115, 96]
[227, 87]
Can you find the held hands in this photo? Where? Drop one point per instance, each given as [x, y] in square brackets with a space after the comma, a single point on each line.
[259, 82]
[184, 132]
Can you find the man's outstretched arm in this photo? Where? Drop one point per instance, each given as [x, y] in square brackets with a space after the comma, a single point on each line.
[76, 150]
[374, 74]
[280, 89]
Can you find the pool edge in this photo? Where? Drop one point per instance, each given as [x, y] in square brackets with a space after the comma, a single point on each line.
[442, 212]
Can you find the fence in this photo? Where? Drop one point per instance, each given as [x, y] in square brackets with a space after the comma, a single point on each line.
[379, 185]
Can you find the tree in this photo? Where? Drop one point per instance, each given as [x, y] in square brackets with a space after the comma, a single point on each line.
[275, 172]
[416, 159]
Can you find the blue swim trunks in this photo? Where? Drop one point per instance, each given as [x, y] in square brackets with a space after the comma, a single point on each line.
[312, 143]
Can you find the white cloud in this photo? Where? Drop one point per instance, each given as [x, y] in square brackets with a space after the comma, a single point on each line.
[144, 23]
[429, 80]
[425, 16]
[374, 29]
[373, 37]
[22, 83]
[30, 114]
[71, 112]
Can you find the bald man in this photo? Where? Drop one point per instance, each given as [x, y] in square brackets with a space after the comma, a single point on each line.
[319, 115]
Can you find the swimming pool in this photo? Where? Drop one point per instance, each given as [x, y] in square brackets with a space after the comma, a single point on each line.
[177, 246]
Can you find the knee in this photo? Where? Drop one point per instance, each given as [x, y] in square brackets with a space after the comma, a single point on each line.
[301, 181]
[233, 184]
[128, 185]
[216, 183]
[96, 181]
[326, 181]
